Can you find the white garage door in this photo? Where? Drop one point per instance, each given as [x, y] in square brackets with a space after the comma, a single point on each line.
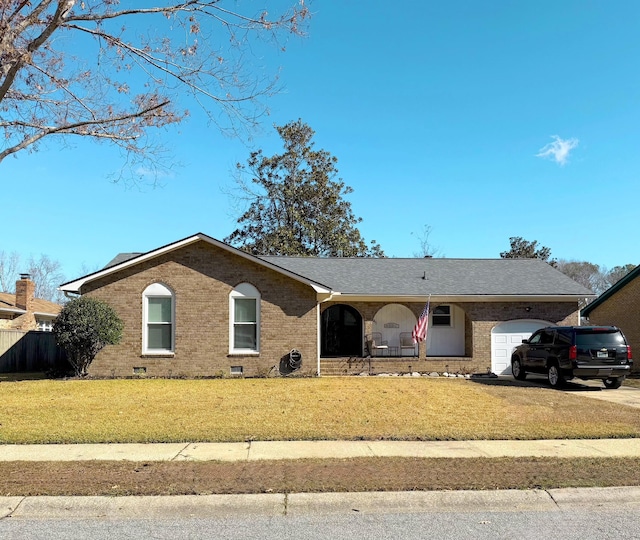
[507, 336]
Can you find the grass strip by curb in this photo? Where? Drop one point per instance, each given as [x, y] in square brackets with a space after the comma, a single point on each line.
[118, 478]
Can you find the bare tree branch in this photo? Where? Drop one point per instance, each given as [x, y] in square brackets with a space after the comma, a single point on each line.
[77, 129]
[91, 69]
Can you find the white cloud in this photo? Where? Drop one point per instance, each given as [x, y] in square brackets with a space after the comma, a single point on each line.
[558, 150]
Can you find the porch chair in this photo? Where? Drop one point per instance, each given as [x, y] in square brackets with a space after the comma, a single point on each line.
[375, 343]
[406, 342]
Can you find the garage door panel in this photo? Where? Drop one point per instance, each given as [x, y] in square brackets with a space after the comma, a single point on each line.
[505, 337]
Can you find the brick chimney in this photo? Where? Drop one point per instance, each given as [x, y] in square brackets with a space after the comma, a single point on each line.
[25, 290]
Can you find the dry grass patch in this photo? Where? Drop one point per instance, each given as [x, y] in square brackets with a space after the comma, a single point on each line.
[299, 409]
[632, 381]
[312, 476]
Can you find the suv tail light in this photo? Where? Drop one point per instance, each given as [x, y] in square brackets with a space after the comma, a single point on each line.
[629, 357]
[573, 352]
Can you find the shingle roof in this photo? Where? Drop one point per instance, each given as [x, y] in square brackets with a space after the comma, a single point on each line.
[442, 277]
[124, 260]
[8, 301]
[611, 291]
[393, 277]
[121, 257]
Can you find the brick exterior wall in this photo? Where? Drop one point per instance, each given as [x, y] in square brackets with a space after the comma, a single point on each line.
[480, 318]
[202, 276]
[622, 309]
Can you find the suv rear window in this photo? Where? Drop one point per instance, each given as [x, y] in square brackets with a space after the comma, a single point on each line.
[599, 340]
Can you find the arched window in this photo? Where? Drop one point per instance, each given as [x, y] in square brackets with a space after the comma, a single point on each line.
[244, 318]
[158, 315]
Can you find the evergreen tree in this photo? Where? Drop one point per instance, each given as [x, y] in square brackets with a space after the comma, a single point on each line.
[296, 204]
[523, 249]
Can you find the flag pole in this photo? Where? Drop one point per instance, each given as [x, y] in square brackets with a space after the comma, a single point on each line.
[419, 333]
[426, 328]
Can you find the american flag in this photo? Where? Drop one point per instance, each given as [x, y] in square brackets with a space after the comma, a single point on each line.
[420, 329]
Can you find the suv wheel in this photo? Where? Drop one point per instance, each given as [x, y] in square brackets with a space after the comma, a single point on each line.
[556, 380]
[516, 368]
[613, 382]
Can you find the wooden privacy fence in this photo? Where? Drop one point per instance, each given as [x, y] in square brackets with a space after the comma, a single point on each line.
[30, 351]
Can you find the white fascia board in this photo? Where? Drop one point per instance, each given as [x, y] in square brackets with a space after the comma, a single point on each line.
[463, 298]
[13, 310]
[74, 286]
[43, 314]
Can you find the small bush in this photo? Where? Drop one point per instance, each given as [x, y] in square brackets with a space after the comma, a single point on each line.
[83, 328]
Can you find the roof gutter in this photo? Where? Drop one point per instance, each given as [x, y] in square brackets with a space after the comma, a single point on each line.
[13, 310]
[460, 298]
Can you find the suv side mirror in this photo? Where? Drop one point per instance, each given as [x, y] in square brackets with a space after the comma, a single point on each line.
[525, 341]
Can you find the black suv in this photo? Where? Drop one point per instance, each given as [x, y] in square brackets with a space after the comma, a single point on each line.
[565, 352]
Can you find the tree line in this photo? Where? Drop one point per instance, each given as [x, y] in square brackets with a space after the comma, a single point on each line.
[592, 276]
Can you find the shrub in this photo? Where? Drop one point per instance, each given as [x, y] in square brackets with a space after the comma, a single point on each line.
[83, 327]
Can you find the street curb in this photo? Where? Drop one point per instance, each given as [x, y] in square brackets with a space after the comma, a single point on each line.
[8, 505]
[146, 507]
[300, 504]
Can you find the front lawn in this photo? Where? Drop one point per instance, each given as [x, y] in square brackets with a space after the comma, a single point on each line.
[349, 408]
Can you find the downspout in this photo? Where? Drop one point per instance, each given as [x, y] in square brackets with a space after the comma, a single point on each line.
[580, 314]
[318, 329]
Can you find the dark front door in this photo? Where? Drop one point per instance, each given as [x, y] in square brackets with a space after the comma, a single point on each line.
[341, 333]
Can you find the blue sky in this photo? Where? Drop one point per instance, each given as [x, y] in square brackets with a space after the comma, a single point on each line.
[483, 120]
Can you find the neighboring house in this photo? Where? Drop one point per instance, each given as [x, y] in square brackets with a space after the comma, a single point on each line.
[199, 307]
[620, 306]
[21, 311]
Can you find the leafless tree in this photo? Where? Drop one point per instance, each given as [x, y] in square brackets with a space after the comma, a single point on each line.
[427, 249]
[618, 272]
[45, 272]
[590, 275]
[95, 69]
[8, 271]
[47, 276]
[594, 277]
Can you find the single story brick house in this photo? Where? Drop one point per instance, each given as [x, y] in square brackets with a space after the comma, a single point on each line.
[620, 306]
[199, 308]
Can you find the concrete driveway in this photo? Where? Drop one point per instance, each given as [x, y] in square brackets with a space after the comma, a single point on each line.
[625, 395]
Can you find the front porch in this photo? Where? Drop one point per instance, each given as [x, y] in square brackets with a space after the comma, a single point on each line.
[379, 330]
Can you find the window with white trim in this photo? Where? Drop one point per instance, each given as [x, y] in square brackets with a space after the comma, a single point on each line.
[441, 316]
[45, 325]
[244, 319]
[158, 330]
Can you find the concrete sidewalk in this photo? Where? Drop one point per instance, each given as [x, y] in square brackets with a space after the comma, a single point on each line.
[270, 450]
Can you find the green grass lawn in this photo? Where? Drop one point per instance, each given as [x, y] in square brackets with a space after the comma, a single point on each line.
[160, 410]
